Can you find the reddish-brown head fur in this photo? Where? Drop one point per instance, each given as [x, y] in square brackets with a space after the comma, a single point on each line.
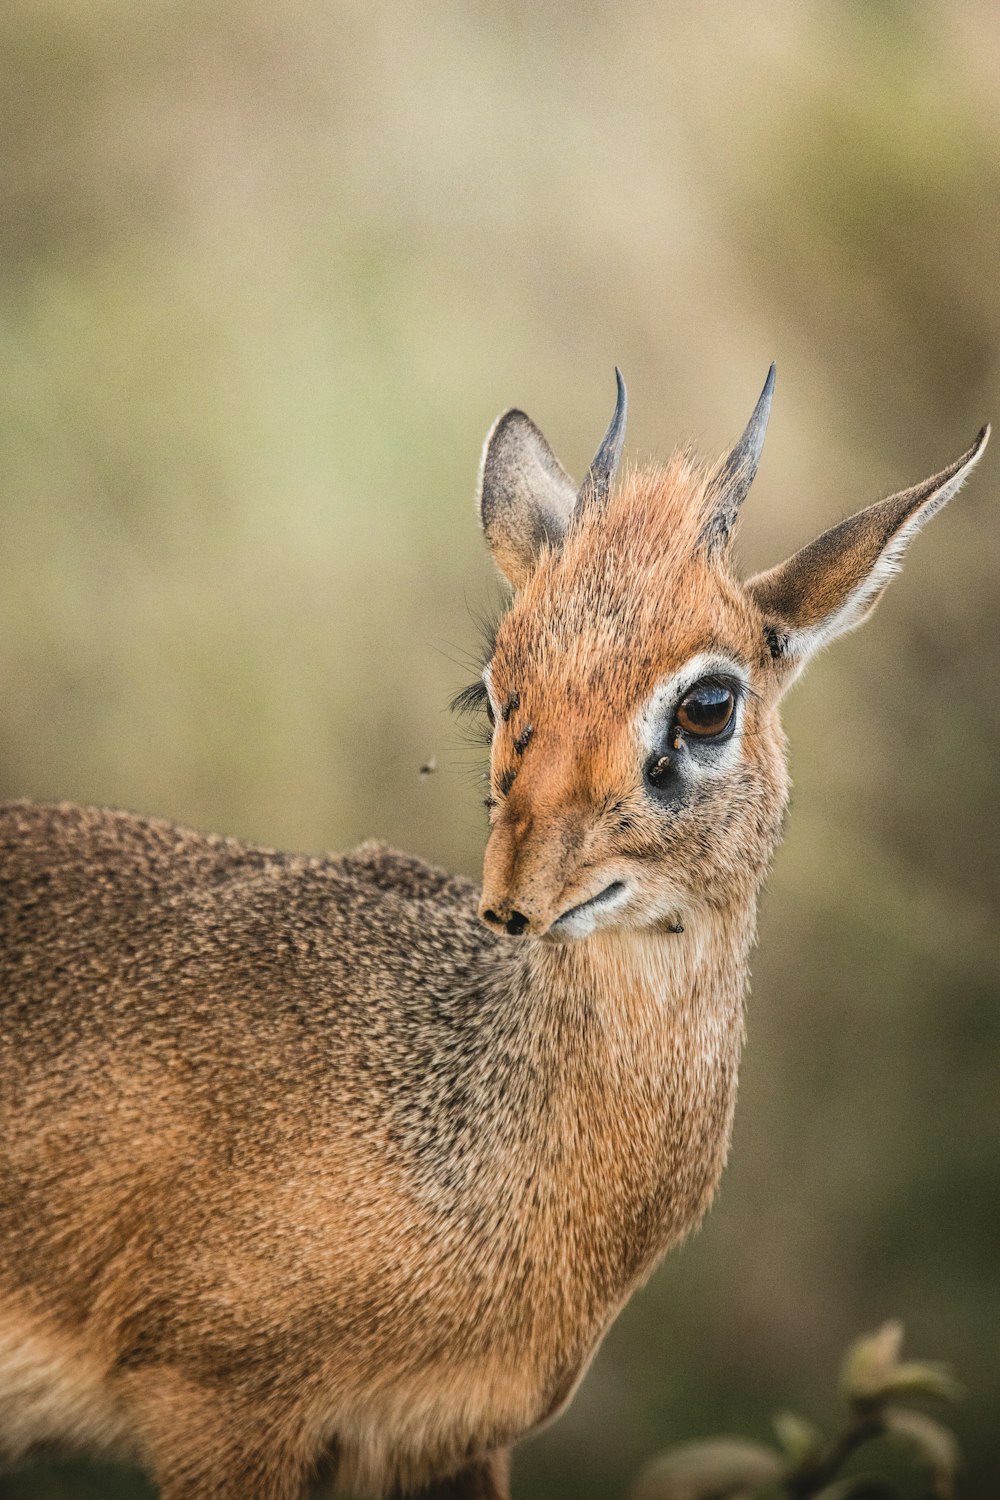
[620, 609]
[629, 602]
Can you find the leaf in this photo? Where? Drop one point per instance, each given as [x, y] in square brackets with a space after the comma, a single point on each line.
[860, 1487]
[868, 1362]
[714, 1470]
[935, 1446]
[872, 1371]
[925, 1378]
[801, 1439]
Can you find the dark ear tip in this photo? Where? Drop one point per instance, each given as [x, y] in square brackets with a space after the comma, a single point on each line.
[508, 418]
[511, 428]
[982, 437]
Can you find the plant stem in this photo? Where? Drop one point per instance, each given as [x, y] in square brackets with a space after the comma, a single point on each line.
[810, 1479]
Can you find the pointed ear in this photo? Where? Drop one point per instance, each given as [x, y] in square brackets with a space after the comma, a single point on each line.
[526, 498]
[527, 501]
[832, 585]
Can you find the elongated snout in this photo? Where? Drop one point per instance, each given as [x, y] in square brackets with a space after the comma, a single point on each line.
[513, 897]
[531, 872]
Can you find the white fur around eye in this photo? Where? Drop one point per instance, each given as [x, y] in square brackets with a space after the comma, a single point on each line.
[655, 718]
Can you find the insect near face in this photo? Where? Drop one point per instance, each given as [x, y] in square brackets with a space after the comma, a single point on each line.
[345, 1164]
[703, 718]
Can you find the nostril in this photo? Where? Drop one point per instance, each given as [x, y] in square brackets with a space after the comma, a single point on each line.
[489, 915]
[516, 923]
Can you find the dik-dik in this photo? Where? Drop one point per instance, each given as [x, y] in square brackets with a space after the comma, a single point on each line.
[344, 1166]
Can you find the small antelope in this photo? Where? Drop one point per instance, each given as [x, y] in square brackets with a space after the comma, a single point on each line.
[342, 1167]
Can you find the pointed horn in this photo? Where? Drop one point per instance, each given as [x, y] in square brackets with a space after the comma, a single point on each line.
[599, 478]
[728, 489]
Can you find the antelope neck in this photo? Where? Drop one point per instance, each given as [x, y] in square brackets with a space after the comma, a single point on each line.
[625, 974]
[638, 1036]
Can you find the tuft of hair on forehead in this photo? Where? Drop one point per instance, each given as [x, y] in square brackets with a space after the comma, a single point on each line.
[657, 513]
[649, 532]
[633, 591]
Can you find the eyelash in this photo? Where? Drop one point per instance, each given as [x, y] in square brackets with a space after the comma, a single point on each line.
[472, 699]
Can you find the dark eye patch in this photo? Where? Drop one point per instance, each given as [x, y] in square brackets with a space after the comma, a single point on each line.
[703, 717]
[665, 781]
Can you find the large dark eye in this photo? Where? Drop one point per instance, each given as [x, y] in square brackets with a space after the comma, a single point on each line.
[706, 711]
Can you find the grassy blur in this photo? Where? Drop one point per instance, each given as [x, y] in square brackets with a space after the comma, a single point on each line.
[267, 273]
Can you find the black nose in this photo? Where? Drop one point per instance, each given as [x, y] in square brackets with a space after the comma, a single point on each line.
[515, 924]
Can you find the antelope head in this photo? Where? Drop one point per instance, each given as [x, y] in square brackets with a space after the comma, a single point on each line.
[637, 761]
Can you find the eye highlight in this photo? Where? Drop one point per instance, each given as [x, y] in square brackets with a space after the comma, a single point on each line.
[707, 710]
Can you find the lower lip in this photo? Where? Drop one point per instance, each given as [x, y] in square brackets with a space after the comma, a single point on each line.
[602, 898]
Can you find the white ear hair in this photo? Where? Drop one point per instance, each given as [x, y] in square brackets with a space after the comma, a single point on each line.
[832, 585]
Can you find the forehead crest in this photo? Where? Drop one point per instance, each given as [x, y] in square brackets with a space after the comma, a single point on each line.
[530, 507]
[630, 598]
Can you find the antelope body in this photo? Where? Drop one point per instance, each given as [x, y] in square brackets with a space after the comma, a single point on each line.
[343, 1166]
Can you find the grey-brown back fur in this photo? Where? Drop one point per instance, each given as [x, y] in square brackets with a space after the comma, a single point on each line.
[268, 1119]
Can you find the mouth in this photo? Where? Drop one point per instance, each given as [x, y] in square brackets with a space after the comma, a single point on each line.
[579, 918]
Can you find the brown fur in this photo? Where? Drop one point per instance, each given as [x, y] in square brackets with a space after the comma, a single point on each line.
[302, 1166]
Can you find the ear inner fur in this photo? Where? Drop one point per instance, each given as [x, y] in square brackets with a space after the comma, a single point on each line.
[831, 585]
[526, 498]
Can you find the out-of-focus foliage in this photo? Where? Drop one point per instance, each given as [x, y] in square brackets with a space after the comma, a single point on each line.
[267, 273]
[809, 1465]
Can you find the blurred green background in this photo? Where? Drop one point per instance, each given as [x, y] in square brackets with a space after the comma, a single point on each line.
[267, 273]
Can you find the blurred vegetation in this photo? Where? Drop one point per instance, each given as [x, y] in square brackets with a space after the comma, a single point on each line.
[267, 273]
[879, 1389]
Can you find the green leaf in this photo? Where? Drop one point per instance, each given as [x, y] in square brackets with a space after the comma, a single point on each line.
[872, 1371]
[860, 1487]
[716, 1470]
[800, 1438]
[935, 1446]
[925, 1378]
[868, 1362]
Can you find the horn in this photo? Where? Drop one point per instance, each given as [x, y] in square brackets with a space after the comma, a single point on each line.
[599, 477]
[728, 489]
